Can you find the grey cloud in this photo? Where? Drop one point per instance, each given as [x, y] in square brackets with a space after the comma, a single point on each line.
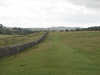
[3, 3]
[82, 19]
[32, 13]
[87, 3]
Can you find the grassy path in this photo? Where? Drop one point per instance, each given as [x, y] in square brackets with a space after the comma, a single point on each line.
[55, 56]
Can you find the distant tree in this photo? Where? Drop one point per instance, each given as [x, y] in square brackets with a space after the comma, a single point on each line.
[96, 28]
[1, 26]
[5, 30]
[66, 30]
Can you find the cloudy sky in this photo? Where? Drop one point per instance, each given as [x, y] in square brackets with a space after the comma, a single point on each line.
[47, 13]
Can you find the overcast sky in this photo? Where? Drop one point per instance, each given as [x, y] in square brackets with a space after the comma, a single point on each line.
[46, 13]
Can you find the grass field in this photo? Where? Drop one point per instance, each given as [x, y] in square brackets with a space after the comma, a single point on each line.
[6, 40]
[62, 53]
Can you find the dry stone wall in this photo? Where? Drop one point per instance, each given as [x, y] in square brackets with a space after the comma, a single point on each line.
[14, 49]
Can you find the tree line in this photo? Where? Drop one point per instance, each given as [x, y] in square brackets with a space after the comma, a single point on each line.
[94, 28]
[15, 30]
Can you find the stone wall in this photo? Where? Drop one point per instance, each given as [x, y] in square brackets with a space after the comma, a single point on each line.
[14, 49]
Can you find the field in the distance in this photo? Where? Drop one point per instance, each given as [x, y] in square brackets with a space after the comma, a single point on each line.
[6, 40]
[62, 53]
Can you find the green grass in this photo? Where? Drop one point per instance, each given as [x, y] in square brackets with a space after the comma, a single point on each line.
[6, 40]
[62, 53]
